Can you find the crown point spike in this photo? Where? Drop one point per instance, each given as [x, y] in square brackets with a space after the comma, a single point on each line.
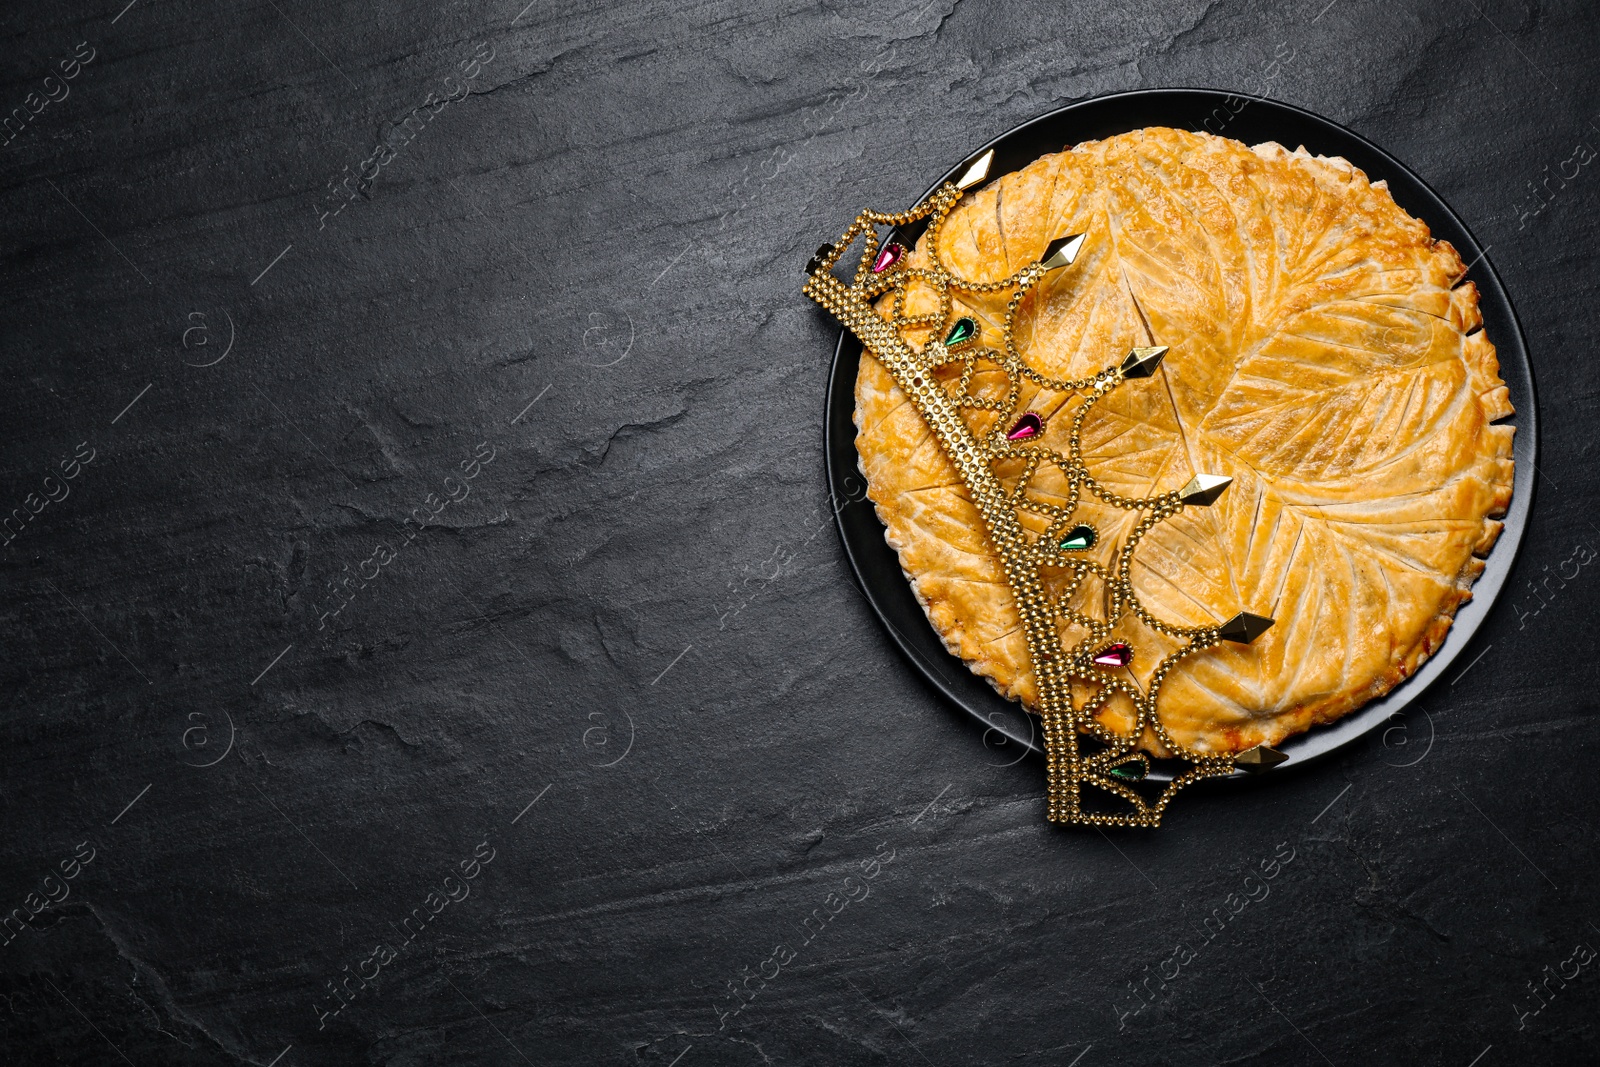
[1079, 539]
[1027, 426]
[817, 260]
[1244, 627]
[976, 171]
[964, 330]
[1203, 489]
[1062, 251]
[888, 257]
[1142, 362]
[1132, 770]
[1258, 759]
[1117, 654]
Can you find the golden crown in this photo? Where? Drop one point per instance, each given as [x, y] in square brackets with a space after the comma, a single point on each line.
[1110, 762]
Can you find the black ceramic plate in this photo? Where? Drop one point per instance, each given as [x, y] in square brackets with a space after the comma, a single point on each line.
[878, 569]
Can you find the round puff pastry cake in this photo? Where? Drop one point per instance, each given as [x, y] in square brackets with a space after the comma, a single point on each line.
[1322, 354]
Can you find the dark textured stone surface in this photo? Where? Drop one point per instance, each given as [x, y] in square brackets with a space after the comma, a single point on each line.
[639, 614]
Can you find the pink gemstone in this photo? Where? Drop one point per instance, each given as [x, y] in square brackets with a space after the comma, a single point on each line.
[1117, 655]
[887, 258]
[1028, 426]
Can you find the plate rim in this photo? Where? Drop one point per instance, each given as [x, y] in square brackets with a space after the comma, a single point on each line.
[1319, 742]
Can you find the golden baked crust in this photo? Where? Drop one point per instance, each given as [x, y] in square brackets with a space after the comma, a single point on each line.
[1320, 355]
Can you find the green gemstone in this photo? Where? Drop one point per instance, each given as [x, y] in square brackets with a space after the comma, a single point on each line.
[1078, 538]
[963, 331]
[1132, 771]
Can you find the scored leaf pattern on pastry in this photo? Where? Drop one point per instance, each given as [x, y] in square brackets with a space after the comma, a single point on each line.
[1321, 353]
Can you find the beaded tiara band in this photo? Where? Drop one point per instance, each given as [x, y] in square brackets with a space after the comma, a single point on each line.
[1096, 775]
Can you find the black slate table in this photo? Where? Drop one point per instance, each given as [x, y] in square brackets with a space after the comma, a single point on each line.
[425, 640]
